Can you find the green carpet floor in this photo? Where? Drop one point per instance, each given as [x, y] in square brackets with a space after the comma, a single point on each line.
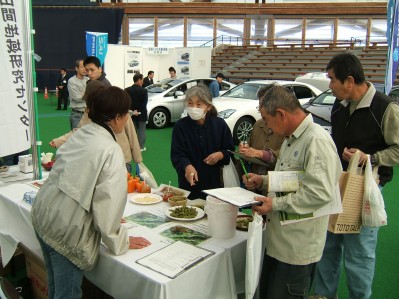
[54, 123]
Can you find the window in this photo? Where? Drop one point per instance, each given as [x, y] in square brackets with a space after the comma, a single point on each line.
[225, 86]
[352, 29]
[230, 31]
[302, 92]
[141, 32]
[378, 31]
[326, 98]
[288, 29]
[244, 91]
[199, 32]
[170, 32]
[319, 29]
[258, 30]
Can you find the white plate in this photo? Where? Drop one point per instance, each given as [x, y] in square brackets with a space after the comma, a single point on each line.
[144, 198]
[200, 214]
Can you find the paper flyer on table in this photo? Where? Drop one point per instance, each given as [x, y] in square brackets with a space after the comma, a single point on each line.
[174, 259]
[193, 233]
[237, 196]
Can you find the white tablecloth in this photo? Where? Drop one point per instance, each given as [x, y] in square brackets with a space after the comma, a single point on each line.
[220, 276]
[13, 175]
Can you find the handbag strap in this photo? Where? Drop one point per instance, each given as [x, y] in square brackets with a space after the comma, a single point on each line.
[138, 171]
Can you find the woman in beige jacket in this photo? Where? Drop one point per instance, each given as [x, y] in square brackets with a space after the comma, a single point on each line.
[72, 216]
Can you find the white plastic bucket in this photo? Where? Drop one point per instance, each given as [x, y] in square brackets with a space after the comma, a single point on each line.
[222, 218]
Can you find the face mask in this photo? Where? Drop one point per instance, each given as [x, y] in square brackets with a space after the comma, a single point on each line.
[196, 113]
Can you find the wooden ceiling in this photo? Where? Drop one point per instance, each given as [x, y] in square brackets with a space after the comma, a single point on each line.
[365, 9]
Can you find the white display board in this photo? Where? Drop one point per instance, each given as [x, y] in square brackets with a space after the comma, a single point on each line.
[122, 62]
[14, 90]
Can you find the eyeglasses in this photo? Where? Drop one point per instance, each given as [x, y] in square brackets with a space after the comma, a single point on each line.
[130, 112]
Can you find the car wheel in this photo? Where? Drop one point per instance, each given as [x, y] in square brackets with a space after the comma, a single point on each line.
[159, 118]
[242, 129]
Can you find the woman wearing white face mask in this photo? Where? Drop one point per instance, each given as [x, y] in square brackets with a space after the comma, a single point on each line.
[200, 144]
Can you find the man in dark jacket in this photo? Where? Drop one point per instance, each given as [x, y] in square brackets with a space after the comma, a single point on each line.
[139, 97]
[149, 79]
[94, 70]
[62, 84]
[366, 120]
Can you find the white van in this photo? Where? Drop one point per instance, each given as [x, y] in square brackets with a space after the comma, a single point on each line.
[318, 80]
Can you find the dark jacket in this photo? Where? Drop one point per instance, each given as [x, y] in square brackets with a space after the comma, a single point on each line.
[63, 92]
[147, 82]
[139, 97]
[361, 130]
[103, 79]
[192, 143]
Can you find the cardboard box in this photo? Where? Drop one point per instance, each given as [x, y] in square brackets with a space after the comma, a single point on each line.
[16, 263]
[36, 271]
[350, 220]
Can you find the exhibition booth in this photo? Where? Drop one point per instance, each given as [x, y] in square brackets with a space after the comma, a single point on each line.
[122, 62]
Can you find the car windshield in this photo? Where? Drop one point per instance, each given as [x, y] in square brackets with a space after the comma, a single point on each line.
[326, 98]
[394, 94]
[244, 91]
[163, 85]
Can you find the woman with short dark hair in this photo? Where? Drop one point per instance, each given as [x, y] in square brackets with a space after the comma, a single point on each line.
[200, 144]
[83, 199]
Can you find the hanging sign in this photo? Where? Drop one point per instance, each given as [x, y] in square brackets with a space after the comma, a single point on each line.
[14, 114]
[157, 51]
[97, 45]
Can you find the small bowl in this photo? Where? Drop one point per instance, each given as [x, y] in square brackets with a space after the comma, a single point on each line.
[166, 195]
[48, 166]
[177, 200]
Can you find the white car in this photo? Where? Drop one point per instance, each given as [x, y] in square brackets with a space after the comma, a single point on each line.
[238, 106]
[166, 99]
[318, 80]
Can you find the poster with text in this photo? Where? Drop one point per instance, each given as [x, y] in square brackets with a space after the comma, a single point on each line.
[14, 114]
[133, 64]
[183, 56]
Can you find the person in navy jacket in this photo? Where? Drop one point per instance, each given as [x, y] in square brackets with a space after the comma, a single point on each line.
[200, 144]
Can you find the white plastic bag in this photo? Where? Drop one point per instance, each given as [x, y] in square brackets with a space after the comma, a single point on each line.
[373, 209]
[230, 175]
[254, 256]
[353, 166]
[145, 174]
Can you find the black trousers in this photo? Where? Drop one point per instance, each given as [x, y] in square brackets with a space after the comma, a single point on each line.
[284, 281]
[62, 100]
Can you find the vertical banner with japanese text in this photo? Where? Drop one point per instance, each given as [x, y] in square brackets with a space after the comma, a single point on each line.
[97, 45]
[14, 114]
[393, 43]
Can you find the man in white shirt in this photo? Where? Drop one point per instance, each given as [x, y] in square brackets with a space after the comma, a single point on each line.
[292, 250]
[76, 88]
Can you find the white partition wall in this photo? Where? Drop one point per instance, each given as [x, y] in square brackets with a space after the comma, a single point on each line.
[114, 68]
[122, 62]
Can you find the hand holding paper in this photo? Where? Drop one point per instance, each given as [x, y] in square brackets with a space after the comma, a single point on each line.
[266, 207]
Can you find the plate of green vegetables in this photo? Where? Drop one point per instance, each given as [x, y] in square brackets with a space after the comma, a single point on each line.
[185, 213]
